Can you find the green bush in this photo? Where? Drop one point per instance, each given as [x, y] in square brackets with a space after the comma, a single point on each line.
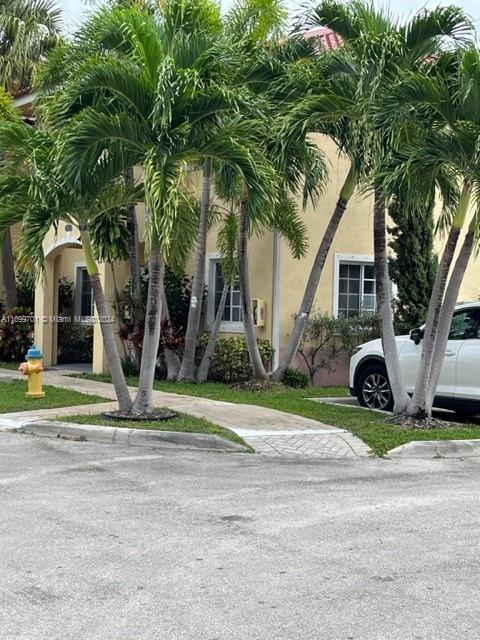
[130, 366]
[296, 379]
[327, 338]
[16, 334]
[230, 362]
[75, 343]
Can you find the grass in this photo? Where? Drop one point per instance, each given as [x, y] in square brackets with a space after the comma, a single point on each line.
[183, 422]
[370, 426]
[13, 366]
[13, 398]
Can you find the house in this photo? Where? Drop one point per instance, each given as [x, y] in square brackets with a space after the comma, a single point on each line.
[277, 280]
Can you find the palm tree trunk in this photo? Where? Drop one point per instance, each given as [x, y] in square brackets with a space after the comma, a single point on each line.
[256, 363]
[8, 271]
[187, 370]
[171, 358]
[204, 367]
[301, 319]
[384, 307]
[446, 314]
[108, 335]
[418, 405]
[143, 402]
[134, 258]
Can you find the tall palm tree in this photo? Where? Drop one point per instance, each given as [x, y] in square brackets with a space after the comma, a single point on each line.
[247, 26]
[446, 99]
[147, 100]
[376, 51]
[265, 61]
[33, 192]
[29, 29]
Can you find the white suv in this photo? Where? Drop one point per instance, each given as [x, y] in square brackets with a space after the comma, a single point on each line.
[459, 385]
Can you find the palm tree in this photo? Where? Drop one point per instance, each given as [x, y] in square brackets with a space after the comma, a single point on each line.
[246, 27]
[377, 49]
[445, 98]
[29, 29]
[33, 192]
[147, 100]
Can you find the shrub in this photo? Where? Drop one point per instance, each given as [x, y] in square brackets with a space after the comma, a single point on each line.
[16, 334]
[26, 289]
[230, 362]
[178, 289]
[326, 338]
[295, 378]
[75, 343]
[130, 366]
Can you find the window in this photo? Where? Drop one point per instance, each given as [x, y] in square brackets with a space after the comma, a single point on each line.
[465, 325]
[84, 294]
[356, 289]
[233, 308]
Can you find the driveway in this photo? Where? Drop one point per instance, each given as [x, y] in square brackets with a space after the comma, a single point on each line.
[101, 542]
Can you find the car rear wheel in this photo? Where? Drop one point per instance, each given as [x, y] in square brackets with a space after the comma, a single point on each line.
[373, 388]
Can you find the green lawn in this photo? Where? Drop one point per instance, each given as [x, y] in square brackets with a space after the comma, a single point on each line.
[183, 422]
[370, 426]
[13, 398]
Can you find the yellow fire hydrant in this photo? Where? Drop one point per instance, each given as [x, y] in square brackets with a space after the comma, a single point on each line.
[33, 368]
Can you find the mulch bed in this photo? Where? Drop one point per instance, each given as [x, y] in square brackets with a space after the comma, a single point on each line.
[156, 416]
[415, 424]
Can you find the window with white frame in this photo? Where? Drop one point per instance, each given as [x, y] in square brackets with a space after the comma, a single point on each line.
[233, 307]
[356, 289]
[84, 303]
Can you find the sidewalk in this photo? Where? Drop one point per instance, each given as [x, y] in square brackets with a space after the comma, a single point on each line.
[268, 431]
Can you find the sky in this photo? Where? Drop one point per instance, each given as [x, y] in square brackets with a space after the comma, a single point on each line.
[75, 10]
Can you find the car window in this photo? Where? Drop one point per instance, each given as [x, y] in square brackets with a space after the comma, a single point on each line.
[465, 325]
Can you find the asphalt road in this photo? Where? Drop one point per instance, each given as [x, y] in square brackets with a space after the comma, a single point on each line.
[100, 542]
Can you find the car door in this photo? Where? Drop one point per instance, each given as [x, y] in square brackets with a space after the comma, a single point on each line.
[409, 362]
[468, 363]
[411, 353]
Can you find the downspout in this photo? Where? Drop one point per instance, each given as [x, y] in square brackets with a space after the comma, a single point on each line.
[277, 263]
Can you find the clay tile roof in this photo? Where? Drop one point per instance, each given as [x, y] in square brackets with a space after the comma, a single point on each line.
[329, 39]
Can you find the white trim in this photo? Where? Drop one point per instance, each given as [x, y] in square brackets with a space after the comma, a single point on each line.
[77, 303]
[225, 327]
[276, 309]
[352, 258]
[67, 242]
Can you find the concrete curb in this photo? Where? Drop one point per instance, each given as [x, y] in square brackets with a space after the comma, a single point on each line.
[133, 437]
[437, 449]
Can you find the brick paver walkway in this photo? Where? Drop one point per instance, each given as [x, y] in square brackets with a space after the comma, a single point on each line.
[268, 431]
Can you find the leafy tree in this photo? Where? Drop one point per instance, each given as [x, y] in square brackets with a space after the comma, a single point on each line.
[413, 264]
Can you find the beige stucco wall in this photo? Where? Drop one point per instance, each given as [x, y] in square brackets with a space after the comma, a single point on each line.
[62, 259]
[470, 289]
[354, 238]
